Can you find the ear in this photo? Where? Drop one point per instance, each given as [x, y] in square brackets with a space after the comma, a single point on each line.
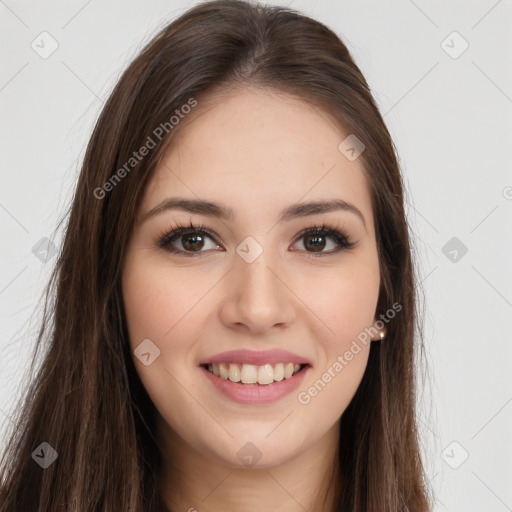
[378, 329]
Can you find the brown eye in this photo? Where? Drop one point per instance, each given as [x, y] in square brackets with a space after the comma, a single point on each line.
[188, 241]
[315, 242]
[193, 242]
[316, 239]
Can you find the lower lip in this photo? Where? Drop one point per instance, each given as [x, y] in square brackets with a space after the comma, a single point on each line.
[256, 393]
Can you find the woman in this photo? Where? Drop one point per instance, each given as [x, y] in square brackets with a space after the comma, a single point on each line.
[234, 313]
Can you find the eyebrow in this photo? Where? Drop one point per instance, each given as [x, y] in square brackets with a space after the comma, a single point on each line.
[221, 211]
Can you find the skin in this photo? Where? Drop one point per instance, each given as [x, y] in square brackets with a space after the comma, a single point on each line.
[256, 151]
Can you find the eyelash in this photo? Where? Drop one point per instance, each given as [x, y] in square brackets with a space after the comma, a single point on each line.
[171, 234]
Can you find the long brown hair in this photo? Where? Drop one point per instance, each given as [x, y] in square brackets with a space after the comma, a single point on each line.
[86, 400]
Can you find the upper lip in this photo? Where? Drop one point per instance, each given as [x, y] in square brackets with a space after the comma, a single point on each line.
[257, 358]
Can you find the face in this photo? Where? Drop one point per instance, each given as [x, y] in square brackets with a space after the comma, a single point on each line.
[253, 281]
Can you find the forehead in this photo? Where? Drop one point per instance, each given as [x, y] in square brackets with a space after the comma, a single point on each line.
[257, 150]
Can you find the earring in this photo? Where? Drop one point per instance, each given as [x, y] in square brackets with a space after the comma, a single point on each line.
[382, 336]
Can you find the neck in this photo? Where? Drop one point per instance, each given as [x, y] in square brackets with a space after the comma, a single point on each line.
[190, 482]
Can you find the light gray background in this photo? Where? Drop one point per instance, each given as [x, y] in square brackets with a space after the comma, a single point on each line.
[450, 119]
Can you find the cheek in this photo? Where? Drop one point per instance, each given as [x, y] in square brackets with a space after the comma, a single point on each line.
[148, 308]
[346, 301]
[160, 304]
[157, 301]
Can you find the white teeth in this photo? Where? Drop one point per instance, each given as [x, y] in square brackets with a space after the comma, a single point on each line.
[252, 374]
[224, 370]
[279, 372]
[266, 374]
[234, 373]
[249, 374]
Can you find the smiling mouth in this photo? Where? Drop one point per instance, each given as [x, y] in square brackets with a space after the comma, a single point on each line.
[254, 374]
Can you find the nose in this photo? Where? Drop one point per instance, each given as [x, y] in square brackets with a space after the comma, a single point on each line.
[257, 298]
